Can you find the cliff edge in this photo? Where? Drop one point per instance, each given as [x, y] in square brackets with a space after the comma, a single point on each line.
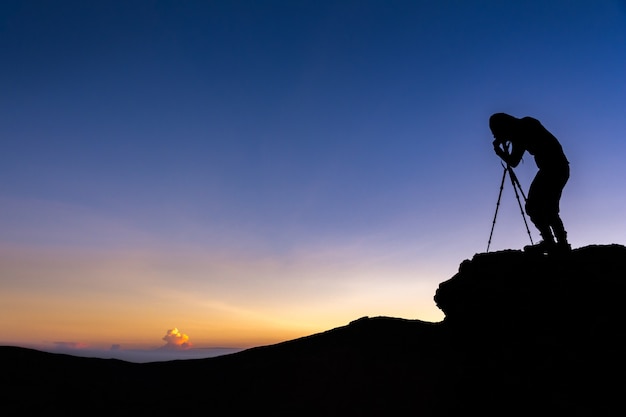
[538, 333]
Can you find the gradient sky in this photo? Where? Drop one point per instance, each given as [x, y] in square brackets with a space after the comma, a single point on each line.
[248, 172]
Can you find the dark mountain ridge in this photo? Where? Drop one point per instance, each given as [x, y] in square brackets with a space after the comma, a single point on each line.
[523, 334]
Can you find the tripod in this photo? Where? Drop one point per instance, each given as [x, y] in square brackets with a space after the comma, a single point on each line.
[516, 187]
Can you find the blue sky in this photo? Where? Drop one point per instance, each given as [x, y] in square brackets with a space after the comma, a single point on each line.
[277, 168]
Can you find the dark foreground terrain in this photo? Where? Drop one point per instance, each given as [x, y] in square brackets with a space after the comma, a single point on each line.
[523, 335]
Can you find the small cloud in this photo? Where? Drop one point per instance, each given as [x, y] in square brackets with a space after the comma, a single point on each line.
[176, 340]
[116, 347]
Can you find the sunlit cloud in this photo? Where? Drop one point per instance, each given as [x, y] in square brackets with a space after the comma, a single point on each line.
[176, 340]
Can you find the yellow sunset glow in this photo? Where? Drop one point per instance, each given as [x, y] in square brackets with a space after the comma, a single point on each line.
[129, 298]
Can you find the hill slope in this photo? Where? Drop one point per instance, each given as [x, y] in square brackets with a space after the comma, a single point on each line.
[522, 334]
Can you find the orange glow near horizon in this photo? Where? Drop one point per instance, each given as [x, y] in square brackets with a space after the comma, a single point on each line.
[104, 298]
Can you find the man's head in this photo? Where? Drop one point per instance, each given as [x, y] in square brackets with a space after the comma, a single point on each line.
[502, 125]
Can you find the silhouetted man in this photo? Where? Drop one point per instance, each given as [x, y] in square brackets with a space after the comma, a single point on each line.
[542, 205]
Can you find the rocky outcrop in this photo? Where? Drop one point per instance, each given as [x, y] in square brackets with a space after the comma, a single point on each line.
[511, 288]
[538, 334]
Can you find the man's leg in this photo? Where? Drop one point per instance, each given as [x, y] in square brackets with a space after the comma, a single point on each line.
[537, 210]
[547, 243]
[557, 182]
[559, 230]
[560, 234]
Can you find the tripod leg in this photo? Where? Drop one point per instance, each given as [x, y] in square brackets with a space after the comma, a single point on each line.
[515, 181]
[517, 185]
[493, 224]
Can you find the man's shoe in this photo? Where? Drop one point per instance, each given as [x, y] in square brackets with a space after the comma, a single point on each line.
[545, 246]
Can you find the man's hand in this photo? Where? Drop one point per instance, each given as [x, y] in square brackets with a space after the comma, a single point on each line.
[497, 147]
